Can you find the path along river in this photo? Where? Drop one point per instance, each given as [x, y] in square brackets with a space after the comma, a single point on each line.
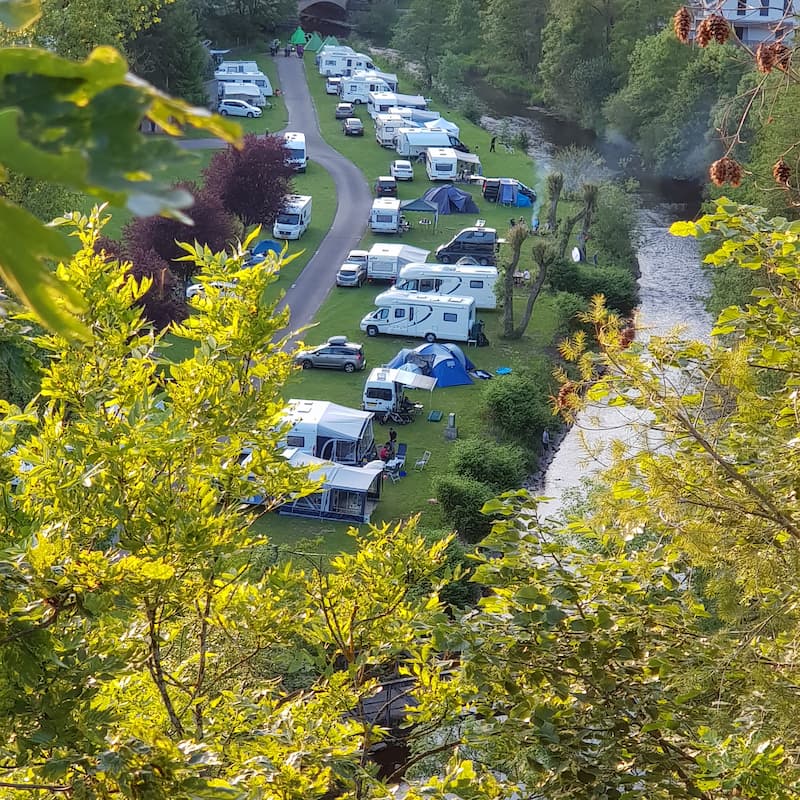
[672, 285]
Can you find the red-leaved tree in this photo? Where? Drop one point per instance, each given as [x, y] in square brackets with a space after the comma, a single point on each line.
[251, 182]
[164, 301]
[213, 226]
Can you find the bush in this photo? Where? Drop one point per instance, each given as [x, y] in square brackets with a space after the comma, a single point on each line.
[164, 302]
[461, 593]
[616, 226]
[617, 284]
[461, 500]
[470, 106]
[567, 307]
[518, 406]
[501, 467]
[522, 140]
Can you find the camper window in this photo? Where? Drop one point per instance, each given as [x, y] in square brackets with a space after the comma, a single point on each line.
[382, 314]
[443, 167]
[450, 317]
[429, 285]
[295, 441]
[476, 284]
[288, 219]
[374, 393]
[388, 218]
[399, 313]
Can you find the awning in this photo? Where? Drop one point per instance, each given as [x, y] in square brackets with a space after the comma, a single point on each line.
[412, 380]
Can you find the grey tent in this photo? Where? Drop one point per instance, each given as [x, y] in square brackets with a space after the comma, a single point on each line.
[450, 199]
[422, 206]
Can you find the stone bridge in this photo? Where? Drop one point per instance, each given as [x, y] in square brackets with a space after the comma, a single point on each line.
[329, 10]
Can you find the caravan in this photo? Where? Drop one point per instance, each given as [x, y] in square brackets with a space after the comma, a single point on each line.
[243, 72]
[385, 215]
[381, 102]
[441, 163]
[248, 92]
[389, 78]
[424, 316]
[411, 142]
[329, 59]
[356, 88]
[342, 62]
[384, 261]
[387, 127]
[467, 280]
[294, 218]
[295, 143]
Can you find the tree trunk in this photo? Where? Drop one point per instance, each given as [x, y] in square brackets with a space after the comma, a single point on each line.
[516, 238]
[552, 213]
[536, 287]
[569, 224]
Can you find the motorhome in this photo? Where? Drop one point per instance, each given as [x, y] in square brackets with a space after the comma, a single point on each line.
[384, 217]
[329, 59]
[384, 389]
[411, 142]
[457, 279]
[384, 261]
[389, 78]
[295, 143]
[248, 92]
[441, 163]
[344, 63]
[294, 217]
[356, 88]
[424, 316]
[479, 243]
[387, 127]
[332, 85]
[230, 72]
[381, 102]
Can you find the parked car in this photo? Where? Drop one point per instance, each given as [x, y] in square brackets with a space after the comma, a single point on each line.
[332, 85]
[386, 186]
[226, 289]
[336, 353]
[401, 170]
[351, 274]
[238, 108]
[353, 126]
[344, 110]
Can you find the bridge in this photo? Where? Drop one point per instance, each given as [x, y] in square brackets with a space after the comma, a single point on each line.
[324, 10]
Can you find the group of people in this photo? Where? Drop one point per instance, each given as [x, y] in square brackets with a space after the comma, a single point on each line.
[389, 450]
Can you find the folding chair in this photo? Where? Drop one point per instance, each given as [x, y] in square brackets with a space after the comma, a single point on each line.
[421, 462]
[402, 449]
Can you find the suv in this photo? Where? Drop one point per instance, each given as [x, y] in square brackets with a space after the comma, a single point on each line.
[386, 186]
[351, 274]
[353, 126]
[478, 243]
[402, 170]
[238, 108]
[336, 353]
[344, 110]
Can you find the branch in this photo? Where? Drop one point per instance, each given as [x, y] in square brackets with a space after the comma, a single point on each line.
[25, 787]
[157, 671]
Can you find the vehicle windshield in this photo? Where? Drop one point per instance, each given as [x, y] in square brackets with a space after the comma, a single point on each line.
[285, 218]
[296, 152]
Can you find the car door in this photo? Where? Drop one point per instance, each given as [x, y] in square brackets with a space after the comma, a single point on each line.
[325, 357]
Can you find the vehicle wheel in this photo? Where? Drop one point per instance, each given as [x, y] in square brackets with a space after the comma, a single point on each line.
[224, 112]
[372, 330]
[430, 337]
[357, 102]
[483, 261]
[444, 259]
[307, 364]
[348, 367]
[250, 115]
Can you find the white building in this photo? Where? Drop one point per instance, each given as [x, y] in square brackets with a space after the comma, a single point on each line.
[753, 21]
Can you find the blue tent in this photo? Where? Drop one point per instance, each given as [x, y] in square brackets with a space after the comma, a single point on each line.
[445, 362]
[450, 199]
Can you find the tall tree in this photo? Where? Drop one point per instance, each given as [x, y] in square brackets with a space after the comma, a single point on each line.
[421, 36]
[555, 184]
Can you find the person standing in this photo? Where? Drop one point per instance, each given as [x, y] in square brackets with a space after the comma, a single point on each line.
[392, 440]
[492, 144]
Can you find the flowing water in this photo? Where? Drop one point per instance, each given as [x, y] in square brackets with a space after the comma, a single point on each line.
[672, 284]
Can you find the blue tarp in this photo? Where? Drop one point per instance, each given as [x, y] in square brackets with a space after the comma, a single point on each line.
[445, 362]
[450, 199]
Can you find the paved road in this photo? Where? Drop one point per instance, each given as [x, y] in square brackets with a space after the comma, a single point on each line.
[354, 199]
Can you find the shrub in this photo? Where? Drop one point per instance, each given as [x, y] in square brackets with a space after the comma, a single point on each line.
[461, 499]
[615, 227]
[617, 284]
[164, 302]
[501, 467]
[470, 106]
[522, 140]
[567, 307]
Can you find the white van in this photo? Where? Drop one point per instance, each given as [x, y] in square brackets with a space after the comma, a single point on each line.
[384, 389]
[294, 218]
[441, 163]
[295, 143]
[384, 217]
[459, 279]
[384, 261]
[356, 88]
[424, 316]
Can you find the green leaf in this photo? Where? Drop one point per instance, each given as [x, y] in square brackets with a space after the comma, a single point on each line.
[18, 14]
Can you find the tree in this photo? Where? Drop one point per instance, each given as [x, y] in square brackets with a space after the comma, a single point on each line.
[555, 184]
[251, 183]
[377, 20]
[244, 20]
[163, 302]
[421, 38]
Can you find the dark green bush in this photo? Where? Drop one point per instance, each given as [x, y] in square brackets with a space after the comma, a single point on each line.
[501, 467]
[461, 499]
[617, 284]
[567, 307]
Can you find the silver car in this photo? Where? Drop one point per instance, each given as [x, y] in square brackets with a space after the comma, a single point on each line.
[351, 274]
[336, 353]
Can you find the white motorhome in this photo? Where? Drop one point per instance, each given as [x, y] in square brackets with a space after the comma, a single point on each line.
[344, 63]
[384, 217]
[441, 163]
[328, 59]
[384, 261]
[383, 389]
[255, 77]
[424, 316]
[387, 127]
[381, 102]
[413, 141]
[356, 88]
[248, 92]
[467, 280]
[389, 78]
[294, 217]
[295, 143]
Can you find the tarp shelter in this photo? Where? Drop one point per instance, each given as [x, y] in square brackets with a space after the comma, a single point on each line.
[469, 163]
[442, 124]
[450, 199]
[314, 43]
[514, 193]
[445, 362]
[421, 206]
[298, 37]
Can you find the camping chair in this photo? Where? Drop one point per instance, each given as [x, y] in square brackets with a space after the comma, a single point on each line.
[421, 462]
[402, 448]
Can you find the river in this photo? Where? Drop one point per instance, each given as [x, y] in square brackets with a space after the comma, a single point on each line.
[672, 284]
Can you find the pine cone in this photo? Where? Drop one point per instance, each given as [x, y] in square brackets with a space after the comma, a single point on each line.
[765, 58]
[682, 24]
[782, 55]
[719, 28]
[704, 34]
[725, 170]
[781, 172]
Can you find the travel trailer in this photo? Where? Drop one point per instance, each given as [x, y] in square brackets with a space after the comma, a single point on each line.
[243, 72]
[294, 218]
[467, 280]
[441, 163]
[295, 143]
[424, 316]
[413, 141]
[384, 389]
[381, 102]
[384, 217]
[248, 92]
[356, 88]
[387, 127]
[384, 261]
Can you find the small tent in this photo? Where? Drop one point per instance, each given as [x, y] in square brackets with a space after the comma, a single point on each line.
[330, 41]
[514, 193]
[450, 199]
[421, 206]
[314, 43]
[298, 37]
[442, 124]
[445, 362]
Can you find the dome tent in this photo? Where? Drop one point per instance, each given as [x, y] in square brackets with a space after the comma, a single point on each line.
[450, 199]
[445, 362]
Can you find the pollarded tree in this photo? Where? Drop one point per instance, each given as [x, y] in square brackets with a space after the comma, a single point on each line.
[251, 182]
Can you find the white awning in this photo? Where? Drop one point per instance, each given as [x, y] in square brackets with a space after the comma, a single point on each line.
[405, 378]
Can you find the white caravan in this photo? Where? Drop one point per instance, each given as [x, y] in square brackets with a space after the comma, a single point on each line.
[381, 102]
[343, 63]
[243, 72]
[389, 78]
[387, 127]
[467, 280]
[423, 316]
[295, 143]
[413, 141]
[441, 163]
[294, 217]
[248, 92]
[356, 88]
[384, 217]
[384, 261]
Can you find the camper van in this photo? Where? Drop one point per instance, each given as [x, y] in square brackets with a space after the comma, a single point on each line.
[295, 143]
[248, 92]
[389, 78]
[410, 142]
[381, 102]
[387, 127]
[459, 279]
[424, 316]
[478, 243]
[255, 77]
[330, 59]
[441, 163]
[385, 215]
[344, 63]
[356, 88]
[383, 389]
[384, 261]
[294, 218]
